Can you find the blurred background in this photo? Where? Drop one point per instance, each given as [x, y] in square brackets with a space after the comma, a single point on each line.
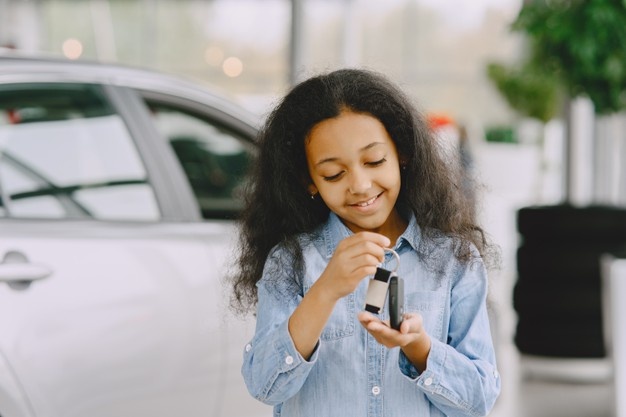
[533, 92]
[255, 49]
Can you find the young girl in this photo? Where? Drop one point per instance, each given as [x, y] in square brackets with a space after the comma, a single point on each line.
[346, 169]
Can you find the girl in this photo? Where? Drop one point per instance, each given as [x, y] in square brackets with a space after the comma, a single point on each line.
[347, 168]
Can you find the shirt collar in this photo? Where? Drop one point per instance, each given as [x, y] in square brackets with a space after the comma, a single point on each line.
[335, 231]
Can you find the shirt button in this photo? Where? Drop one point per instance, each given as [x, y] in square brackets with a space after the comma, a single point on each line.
[248, 347]
[289, 360]
[496, 375]
[428, 382]
[376, 390]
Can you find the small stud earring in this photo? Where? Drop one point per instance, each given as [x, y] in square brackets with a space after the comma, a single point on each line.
[312, 196]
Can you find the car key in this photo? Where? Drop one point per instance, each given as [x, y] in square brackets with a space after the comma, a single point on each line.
[377, 290]
[396, 301]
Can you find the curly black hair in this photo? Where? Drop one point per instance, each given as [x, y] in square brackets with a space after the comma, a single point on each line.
[278, 207]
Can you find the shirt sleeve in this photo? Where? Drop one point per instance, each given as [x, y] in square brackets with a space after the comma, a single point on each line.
[461, 378]
[273, 369]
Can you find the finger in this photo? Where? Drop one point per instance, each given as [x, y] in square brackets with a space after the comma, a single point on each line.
[411, 323]
[371, 322]
[366, 246]
[366, 317]
[377, 327]
[405, 327]
[381, 241]
[365, 260]
[377, 238]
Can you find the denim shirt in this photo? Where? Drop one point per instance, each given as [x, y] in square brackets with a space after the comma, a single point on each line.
[349, 373]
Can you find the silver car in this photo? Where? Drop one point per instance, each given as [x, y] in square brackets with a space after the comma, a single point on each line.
[118, 188]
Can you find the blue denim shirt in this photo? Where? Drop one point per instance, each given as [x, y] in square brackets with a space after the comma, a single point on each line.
[349, 373]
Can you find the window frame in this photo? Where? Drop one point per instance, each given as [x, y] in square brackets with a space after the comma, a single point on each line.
[202, 111]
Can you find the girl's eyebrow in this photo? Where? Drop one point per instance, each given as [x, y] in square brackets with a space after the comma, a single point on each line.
[363, 149]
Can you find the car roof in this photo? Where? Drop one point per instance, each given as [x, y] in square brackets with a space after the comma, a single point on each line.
[17, 67]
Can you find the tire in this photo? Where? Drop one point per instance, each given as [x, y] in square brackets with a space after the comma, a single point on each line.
[567, 223]
[566, 261]
[557, 295]
[562, 337]
[569, 300]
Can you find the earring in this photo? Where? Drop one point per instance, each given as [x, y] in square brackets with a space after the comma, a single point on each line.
[312, 196]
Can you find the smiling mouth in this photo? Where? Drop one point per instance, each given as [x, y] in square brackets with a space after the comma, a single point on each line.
[368, 202]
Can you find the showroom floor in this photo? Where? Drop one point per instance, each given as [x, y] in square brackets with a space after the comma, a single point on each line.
[537, 387]
[548, 396]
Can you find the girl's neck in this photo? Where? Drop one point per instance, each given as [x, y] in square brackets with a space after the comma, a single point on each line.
[394, 227]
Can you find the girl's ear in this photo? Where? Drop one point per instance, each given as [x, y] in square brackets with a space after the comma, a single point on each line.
[312, 189]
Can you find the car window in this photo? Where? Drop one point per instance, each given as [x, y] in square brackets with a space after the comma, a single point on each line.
[65, 153]
[213, 157]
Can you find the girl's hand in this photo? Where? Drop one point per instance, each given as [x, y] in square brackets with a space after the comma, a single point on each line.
[355, 258]
[411, 338]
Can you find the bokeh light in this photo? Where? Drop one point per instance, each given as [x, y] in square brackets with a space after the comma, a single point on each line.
[72, 48]
[232, 66]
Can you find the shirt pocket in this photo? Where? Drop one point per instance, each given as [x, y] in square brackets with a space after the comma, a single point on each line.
[341, 322]
[430, 304]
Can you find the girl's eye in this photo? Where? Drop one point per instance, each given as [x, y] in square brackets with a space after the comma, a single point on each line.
[333, 177]
[376, 163]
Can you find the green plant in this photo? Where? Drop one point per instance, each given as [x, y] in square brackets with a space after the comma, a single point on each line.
[530, 90]
[583, 42]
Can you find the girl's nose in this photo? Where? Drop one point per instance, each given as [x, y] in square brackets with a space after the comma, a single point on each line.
[360, 182]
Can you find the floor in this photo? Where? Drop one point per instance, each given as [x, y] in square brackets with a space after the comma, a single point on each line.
[543, 387]
[549, 396]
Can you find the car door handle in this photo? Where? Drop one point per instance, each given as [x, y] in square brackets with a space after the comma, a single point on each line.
[18, 272]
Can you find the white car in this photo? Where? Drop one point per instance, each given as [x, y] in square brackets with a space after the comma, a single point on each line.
[118, 188]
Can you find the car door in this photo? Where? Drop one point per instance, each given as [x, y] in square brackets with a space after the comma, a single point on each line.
[213, 151]
[110, 295]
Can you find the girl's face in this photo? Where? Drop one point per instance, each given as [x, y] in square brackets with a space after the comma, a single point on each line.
[355, 168]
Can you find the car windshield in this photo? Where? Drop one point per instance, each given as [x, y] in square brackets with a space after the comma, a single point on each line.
[64, 152]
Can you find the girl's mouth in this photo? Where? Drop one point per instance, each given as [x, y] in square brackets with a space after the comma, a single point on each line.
[367, 202]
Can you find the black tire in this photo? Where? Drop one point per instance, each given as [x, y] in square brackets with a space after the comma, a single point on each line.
[558, 292]
[567, 261]
[556, 300]
[567, 223]
[563, 337]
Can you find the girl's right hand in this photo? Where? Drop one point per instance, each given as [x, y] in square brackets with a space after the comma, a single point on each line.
[356, 257]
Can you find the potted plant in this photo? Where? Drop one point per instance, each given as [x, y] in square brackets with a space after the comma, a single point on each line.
[575, 48]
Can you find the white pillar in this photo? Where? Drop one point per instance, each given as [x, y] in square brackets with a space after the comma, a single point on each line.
[581, 152]
[614, 309]
[22, 24]
[296, 42]
[103, 31]
[609, 185]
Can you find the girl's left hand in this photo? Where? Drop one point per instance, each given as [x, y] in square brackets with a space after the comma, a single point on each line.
[411, 338]
[411, 329]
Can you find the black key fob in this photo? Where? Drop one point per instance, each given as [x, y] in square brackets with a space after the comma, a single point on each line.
[396, 301]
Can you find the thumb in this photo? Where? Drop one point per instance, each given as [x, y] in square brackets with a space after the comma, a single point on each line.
[411, 323]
